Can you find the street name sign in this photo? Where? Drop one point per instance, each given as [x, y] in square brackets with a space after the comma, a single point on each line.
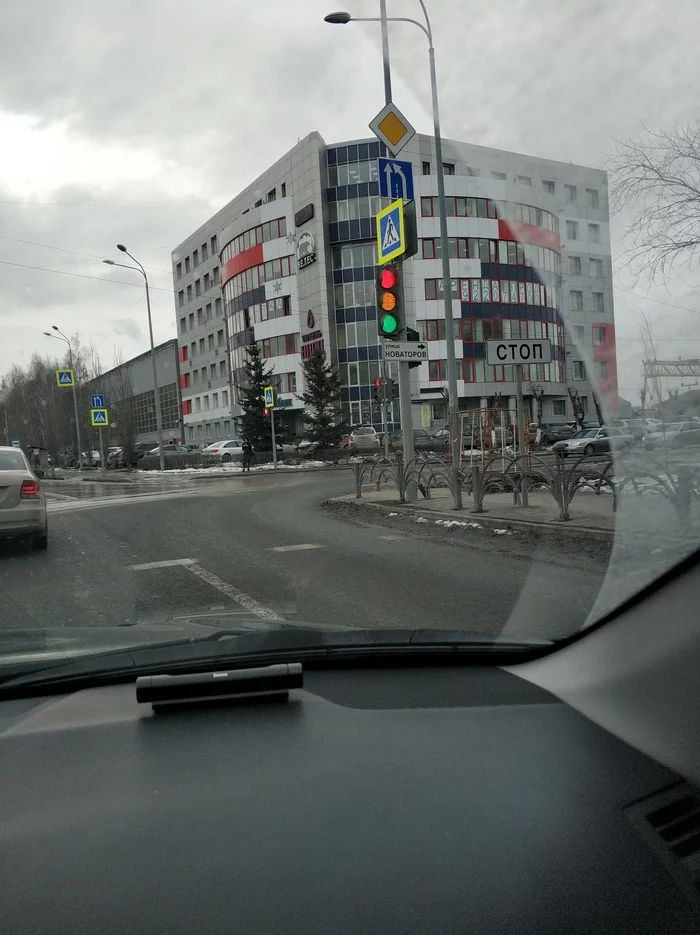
[99, 418]
[65, 378]
[392, 128]
[530, 351]
[395, 179]
[405, 350]
[391, 232]
[97, 401]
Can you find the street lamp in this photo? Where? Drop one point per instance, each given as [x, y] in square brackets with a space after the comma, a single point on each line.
[342, 19]
[61, 337]
[156, 393]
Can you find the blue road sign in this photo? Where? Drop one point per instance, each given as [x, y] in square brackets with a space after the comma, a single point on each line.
[97, 401]
[391, 234]
[395, 179]
[15, 442]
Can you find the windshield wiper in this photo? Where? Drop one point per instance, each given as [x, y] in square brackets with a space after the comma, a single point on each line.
[313, 648]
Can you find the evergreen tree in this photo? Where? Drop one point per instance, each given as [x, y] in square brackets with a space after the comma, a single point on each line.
[323, 415]
[255, 425]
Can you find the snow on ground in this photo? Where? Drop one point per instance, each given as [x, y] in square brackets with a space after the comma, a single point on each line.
[231, 469]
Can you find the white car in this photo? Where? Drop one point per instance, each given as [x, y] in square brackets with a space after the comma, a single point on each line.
[226, 450]
[22, 501]
[364, 438]
[676, 435]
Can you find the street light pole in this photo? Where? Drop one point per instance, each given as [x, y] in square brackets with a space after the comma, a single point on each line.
[75, 392]
[156, 392]
[343, 19]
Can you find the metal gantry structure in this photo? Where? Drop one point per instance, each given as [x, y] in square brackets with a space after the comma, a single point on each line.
[654, 370]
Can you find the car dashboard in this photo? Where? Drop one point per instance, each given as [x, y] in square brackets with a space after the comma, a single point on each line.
[388, 800]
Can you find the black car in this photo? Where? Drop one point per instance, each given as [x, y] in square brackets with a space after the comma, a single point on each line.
[551, 432]
[422, 441]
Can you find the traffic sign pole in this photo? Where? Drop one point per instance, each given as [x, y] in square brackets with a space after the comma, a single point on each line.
[385, 407]
[102, 452]
[521, 431]
[274, 440]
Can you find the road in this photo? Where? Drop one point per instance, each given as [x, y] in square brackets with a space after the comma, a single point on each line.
[260, 545]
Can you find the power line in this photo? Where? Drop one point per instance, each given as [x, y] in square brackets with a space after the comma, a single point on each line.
[682, 308]
[60, 272]
[92, 256]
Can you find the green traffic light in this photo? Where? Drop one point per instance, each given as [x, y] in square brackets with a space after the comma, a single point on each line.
[390, 324]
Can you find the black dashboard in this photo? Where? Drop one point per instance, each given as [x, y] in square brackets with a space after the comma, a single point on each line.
[392, 801]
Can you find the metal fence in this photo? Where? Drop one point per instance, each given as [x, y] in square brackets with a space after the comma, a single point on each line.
[201, 459]
[562, 477]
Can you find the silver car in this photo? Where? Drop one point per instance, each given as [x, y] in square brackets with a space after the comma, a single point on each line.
[22, 501]
[677, 435]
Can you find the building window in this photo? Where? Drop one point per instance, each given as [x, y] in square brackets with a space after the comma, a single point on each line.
[579, 333]
[187, 264]
[189, 293]
[202, 347]
[220, 338]
[448, 168]
[193, 349]
[198, 287]
[474, 173]
[570, 194]
[524, 180]
[598, 336]
[596, 268]
[212, 371]
[468, 371]
[426, 168]
[572, 230]
[206, 282]
[217, 307]
[210, 342]
[594, 233]
[592, 198]
[190, 320]
[215, 274]
[197, 404]
[205, 252]
[283, 190]
[597, 302]
[186, 411]
[178, 270]
[181, 298]
[574, 266]
[558, 407]
[207, 312]
[579, 370]
[214, 400]
[222, 368]
[183, 325]
[436, 369]
[575, 300]
[214, 244]
[500, 175]
[195, 258]
[272, 195]
[205, 403]
[426, 207]
[601, 369]
[549, 187]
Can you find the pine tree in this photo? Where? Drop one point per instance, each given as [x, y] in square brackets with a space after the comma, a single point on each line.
[323, 414]
[255, 425]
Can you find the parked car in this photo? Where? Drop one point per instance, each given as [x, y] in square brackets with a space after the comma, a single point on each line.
[676, 435]
[364, 438]
[422, 440]
[591, 441]
[91, 458]
[634, 427]
[226, 450]
[168, 451]
[22, 501]
[551, 432]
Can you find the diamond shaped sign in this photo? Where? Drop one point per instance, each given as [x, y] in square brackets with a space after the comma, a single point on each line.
[392, 128]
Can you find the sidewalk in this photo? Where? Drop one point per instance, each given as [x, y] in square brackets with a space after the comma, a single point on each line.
[593, 514]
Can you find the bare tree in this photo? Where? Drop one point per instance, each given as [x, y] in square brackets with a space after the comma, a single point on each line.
[643, 390]
[121, 392]
[598, 409]
[576, 405]
[646, 333]
[656, 180]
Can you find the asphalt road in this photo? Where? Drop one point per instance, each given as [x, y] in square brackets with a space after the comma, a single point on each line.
[260, 546]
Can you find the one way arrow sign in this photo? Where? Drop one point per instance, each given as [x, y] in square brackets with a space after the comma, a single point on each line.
[395, 179]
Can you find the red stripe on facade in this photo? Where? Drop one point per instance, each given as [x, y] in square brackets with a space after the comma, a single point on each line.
[242, 261]
[607, 385]
[527, 233]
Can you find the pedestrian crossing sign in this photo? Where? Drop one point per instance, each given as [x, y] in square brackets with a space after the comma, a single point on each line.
[391, 232]
[269, 397]
[65, 378]
[99, 418]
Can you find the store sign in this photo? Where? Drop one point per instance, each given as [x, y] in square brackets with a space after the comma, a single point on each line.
[311, 344]
[304, 214]
[310, 320]
[306, 250]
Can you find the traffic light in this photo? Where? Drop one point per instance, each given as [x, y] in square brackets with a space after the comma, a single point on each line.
[389, 311]
[392, 391]
[378, 390]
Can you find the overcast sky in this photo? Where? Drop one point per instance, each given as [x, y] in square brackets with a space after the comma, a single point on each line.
[133, 122]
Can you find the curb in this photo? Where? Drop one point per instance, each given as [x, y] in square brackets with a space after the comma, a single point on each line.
[584, 532]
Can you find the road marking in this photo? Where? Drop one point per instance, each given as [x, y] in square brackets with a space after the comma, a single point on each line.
[302, 547]
[230, 590]
[167, 564]
[391, 538]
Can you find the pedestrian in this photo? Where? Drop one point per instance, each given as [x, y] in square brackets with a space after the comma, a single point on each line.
[247, 455]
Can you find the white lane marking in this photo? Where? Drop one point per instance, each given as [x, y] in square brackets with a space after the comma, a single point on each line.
[167, 564]
[302, 547]
[230, 590]
[71, 505]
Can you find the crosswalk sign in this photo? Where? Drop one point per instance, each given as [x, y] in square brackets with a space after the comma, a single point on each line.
[99, 418]
[65, 378]
[269, 397]
[391, 232]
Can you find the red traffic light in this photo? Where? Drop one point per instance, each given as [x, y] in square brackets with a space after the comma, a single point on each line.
[388, 277]
[377, 383]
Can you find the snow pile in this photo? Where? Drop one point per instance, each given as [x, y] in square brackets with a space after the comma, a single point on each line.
[232, 469]
[393, 514]
[421, 519]
[502, 532]
[450, 523]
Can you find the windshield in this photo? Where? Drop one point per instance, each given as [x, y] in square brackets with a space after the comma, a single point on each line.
[279, 366]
